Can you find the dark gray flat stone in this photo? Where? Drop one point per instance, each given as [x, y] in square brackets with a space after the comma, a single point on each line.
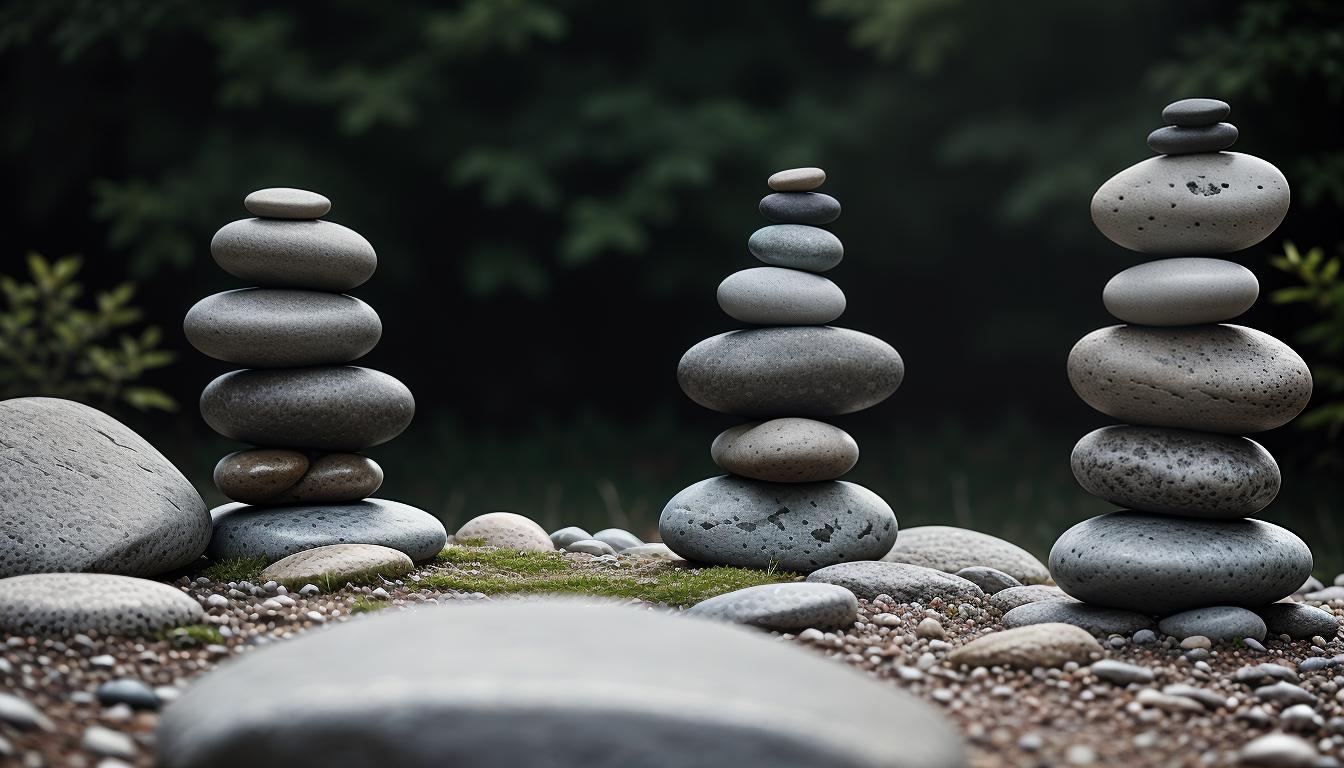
[796, 246]
[904, 582]
[812, 208]
[1196, 112]
[1181, 140]
[1299, 621]
[277, 532]
[783, 607]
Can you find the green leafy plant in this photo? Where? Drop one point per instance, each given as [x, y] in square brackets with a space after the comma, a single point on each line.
[1322, 292]
[51, 346]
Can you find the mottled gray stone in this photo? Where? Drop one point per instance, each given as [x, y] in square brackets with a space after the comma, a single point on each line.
[795, 527]
[283, 476]
[797, 180]
[991, 580]
[286, 203]
[1299, 621]
[1188, 291]
[1219, 623]
[320, 255]
[74, 603]
[803, 371]
[796, 246]
[1008, 599]
[330, 567]
[1176, 471]
[903, 582]
[278, 327]
[506, 530]
[788, 450]
[276, 532]
[619, 538]
[719, 693]
[778, 296]
[812, 208]
[1213, 378]
[1196, 112]
[783, 607]
[566, 536]
[1204, 203]
[1185, 140]
[79, 491]
[1093, 618]
[1160, 564]
[340, 408]
[591, 547]
[950, 549]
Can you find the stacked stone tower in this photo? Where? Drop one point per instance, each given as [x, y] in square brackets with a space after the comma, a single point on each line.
[782, 502]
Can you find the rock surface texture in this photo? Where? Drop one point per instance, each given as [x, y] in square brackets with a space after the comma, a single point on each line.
[79, 603]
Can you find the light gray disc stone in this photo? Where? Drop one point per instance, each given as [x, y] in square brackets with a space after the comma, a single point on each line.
[1093, 618]
[904, 582]
[275, 253]
[618, 539]
[1183, 291]
[566, 536]
[1008, 599]
[286, 203]
[948, 548]
[991, 580]
[777, 296]
[67, 604]
[1299, 621]
[590, 547]
[812, 208]
[282, 328]
[273, 533]
[783, 607]
[1193, 112]
[788, 450]
[1181, 140]
[796, 246]
[1219, 623]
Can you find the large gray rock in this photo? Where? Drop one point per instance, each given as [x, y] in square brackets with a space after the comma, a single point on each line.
[276, 532]
[1218, 623]
[1213, 378]
[802, 371]
[495, 694]
[287, 203]
[902, 581]
[950, 549]
[1189, 291]
[796, 246]
[79, 603]
[1176, 471]
[79, 491]
[812, 208]
[320, 255]
[796, 527]
[340, 408]
[1299, 621]
[1154, 563]
[1093, 618]
[276, 327]
[776, 296]
[783, 607]
[788, 450]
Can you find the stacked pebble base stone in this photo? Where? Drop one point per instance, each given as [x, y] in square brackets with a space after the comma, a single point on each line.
[308, 412]
[782, 503]
[1187, 385]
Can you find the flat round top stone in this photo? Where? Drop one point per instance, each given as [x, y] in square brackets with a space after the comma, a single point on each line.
[1196, 112]
[286, 203]
[797, 180]
[1181, 291]
[74, 603]
[275, 253]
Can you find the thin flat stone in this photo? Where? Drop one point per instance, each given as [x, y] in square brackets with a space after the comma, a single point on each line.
[1191, 112]
[1181, 291]
[778, 296]
[1219, 623]
[272, 533]
[948, 548]
[903, 582]
[1039, 645]
[789, 450]
[1181, 140]
[286, 203]
[68, 604]
[1008, 599]
[506, 530]
[1095, 619]
[812, 208]
[783, 607]
[318, 255]
[991, 580]
[618, 538]
[591, 547]
[1121, 673]
[330, 567]
[281, 328]
[796, 246]
[797, 180]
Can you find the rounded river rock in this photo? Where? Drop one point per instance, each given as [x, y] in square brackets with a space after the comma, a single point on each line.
[788, 450]
[950, 549]
[332, 566]
[1183, 291]
[797, 180]
[1219, 623]
[1183, 140]
[276, 532]
[903, 582]
[506, 530]
[287, 203]
[283, 476]
[77, 603]
[1196, 112]
[783, 607]
[320, 255]
[1093, 618]
[812, 208]
[282, 328]
[796, 246]
[777, 296]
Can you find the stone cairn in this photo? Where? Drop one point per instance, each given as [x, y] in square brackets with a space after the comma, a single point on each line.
[782, 503]
[1186, 384]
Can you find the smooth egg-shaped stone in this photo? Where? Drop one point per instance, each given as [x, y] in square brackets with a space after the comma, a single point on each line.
[1154, 563]
[257, 475]
[335, 477]
[776, 296]
[788, 450]
[812, 208]
[320, 255]
[804, 371]
[797, 180]
[1181, 291]
[286, 203]
[343, 408]
[1196, 112]
[282, 328]
[1176, 471]
[1181, 140]
[796, 246]
[272, 533]
[1214, 378]
[1192, 204]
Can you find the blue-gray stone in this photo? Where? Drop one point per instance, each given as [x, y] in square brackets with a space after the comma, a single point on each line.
[812, 208]
[277, 253]
[79, 603]
[796, 246]
[783, 607]
[1299, 621]
[903, 582]
[566, 536]
[128, 691]
[1181, 291]
[273, 533]
[618, 539]
[276, 327]
[1191, 112]
[1219, 623]
[1181, 140]
[1094, 618]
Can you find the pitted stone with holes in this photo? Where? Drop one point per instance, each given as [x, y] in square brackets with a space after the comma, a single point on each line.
[75, 603]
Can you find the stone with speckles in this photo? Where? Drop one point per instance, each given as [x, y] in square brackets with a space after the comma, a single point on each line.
[1038, 645]
[1219, 623]
[783, 607]
[1093, 618]
[1299, 621]
[282, 328]
[79, 603]
[320, 255]
[276, 532]
[796, 246]
[1008, 599]
[506, 530]
[905, 583]
[1185, 140]
[948, 548]
[812, 208]
[991, 580]
[788, 450]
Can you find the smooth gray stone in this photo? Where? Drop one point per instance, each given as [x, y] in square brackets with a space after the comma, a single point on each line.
[783, 607]
[905, 583]
[991, 580]
[1176, 471]
[1312, 584]
[948, 548]
[1183, 140]
[804, 371]
[286, 203]
[1160, 564]
[339, 408]
[591, 547]
[1008, 599]
[796, 246]
[320, 255]
[78, 603]
[1189, 291]
[79, 491]
[21, 714]
[1325, 595]
[334, 565]
[618, 539]
[1120, 673]
[128, 691]
[788, 450]
[1186, 205]
[777, 296]
[1219, 623]
[274, 533]
[795, 527]
[1094, 618]
[281, 328]
[495, 693]
[1196, 112]
[797, 180]
[1299, 621]
[1212, 378]
[566, 536]
[812, 208]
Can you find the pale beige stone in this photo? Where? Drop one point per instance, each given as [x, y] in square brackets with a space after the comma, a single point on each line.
[507, 531]
[1038, 645]
[334, 565]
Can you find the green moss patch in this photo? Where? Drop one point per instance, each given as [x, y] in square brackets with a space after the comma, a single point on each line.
[236, 569]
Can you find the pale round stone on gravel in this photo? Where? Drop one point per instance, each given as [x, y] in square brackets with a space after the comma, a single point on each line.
[1299, 621]
[1196, 112]
[1093, 618]
[1219, 623]
[507, 530]
[1160, 564]
[903, 582]
[788, 450]
[80, 491]
[332, 566]
[1188, 291]
[1039, 645]
[277, 532]
[796, 246]
[566, 536]
[1008, 599]
[1278, 750]
[1212, 378]
[320, 255]
[340, 408]
[1176, 471]
[496, 693]
[797, 180]
[950, 549]
[282, 328]
[619, 538]
[590, 547]
[795, 527]
[778, 296]
[812, 208]
[1185, 140]
[657, 550]
[286, 203]
[800, 371]
[79, 603]
[783, 607]
[991, 580]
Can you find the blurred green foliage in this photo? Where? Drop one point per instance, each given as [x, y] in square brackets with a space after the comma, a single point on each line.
[1321, 292]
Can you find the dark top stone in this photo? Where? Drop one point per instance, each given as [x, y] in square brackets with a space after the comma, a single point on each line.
[1176, 140]
[1196, 112]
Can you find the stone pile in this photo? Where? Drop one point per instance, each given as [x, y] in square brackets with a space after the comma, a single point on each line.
[782, 502]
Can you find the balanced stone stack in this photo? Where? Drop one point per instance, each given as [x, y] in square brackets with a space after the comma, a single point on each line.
[1187, 385]
[782, 503]
[299, 402]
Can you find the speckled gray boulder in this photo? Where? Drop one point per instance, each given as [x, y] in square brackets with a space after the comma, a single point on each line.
[797, 180]
[1196, 112]
[339, 408]
[1192, 204]
[719, 694]
[777, 296]
[795, 527]
[1093, 618]
[904, 582]
[1299, 621]
[320, 255]
[788, 450]
[590, 547]
[1176, 471]
[1008, 599]
[812, 208]
[75, 603]
[1213, 378]
[1218, 623]
[566, 536]
[276, 532]
[991, 580]
[287, 203]
[330, 567]
[618, 538]
[783, 607]
[950, 549]
[1185, 140]
[275, 327]
[79, 491]
[1160, 564]
[1189, 291]
[803, 371]
[796, 246]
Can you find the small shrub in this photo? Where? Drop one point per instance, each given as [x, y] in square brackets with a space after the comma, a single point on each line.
[1321, 291]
